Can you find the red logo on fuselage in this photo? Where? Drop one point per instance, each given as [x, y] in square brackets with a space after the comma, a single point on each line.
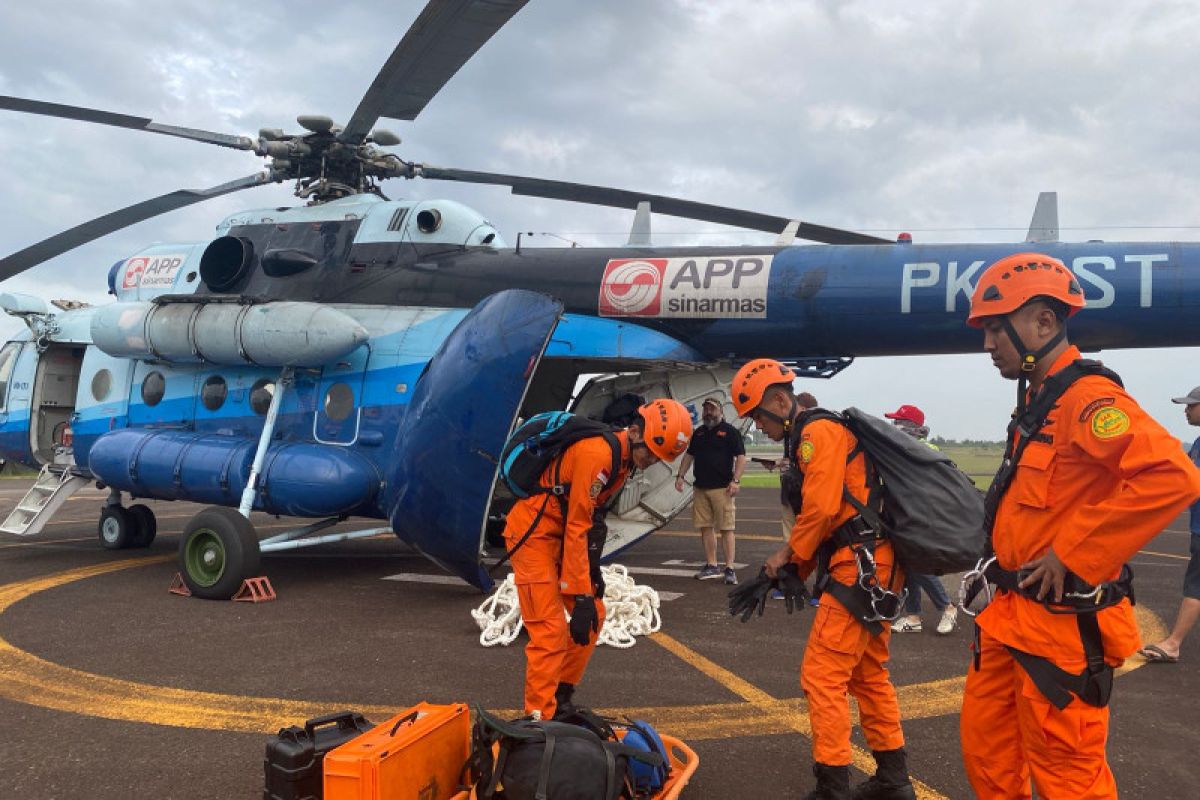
[632, 287]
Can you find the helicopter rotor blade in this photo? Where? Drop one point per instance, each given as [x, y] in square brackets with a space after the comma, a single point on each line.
[443, 38]
[60, 243]
[675, 207]
[122, 121]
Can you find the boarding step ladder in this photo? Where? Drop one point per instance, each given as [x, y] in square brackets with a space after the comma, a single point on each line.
[53, 486]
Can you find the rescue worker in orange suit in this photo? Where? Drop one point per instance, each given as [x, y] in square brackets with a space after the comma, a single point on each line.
[555, 571]
[847, 649]
[1095, 483]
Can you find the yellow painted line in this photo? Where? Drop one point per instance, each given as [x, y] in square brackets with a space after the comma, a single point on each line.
[1166, 555]
[40, 543]
[796, 718]
[742, 688]
[26, 678]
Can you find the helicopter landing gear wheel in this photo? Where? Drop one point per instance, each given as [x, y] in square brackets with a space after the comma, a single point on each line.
[116, 528]
[145, 526]
[219, 550]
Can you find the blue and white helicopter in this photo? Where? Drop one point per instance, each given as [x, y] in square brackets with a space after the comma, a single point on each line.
[363, 357]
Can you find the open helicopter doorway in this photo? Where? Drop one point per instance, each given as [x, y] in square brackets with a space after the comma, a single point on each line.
[55, 386]
[648, 500]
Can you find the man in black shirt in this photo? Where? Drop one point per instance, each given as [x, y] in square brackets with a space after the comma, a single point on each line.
[719, 456]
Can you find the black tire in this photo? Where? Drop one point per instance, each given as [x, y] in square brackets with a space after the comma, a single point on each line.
[145, 526]
[218, 550]
[115, 528]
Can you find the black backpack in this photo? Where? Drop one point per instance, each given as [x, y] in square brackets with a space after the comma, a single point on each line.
[548, 760]
[535, 445]
[929, 508]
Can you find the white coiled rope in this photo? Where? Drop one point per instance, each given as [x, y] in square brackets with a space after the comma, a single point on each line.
[630, 611]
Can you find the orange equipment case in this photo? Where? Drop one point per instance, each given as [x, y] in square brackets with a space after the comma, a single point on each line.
[416, 755]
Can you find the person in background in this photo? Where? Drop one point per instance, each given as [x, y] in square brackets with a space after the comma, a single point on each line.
[1167, 651]
[720, 456]
[911, 420]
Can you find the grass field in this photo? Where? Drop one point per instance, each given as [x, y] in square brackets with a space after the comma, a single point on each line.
[978, 461]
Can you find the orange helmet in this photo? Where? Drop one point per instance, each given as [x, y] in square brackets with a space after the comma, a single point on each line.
[1015, 280]
[666, 428]
[752, 380]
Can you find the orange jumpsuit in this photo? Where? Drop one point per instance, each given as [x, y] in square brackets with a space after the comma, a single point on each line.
[841, 655]
[1106, 481]
[551, 568]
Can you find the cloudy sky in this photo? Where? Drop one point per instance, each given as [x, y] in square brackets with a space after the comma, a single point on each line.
[941, 118]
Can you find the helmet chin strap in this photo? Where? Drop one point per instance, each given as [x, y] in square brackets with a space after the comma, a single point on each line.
[786, 423]
[1029, 359]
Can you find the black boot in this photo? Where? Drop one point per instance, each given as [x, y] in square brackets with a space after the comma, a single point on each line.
[833, 783]
[562, 699]
[890, 781]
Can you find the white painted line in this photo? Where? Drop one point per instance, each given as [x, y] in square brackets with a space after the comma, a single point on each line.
[679, 562]
[416, 577]
[671, 573]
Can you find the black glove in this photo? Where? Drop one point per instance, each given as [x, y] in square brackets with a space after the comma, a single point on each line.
[795, 593]
[751, 595]
[595, 546]
[584, 619]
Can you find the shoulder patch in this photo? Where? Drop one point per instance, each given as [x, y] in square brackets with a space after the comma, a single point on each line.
[595, 489]
[1094, 406]
[807, 449]
[1108, 422]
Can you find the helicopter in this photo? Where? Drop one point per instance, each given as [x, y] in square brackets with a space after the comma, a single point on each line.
[358, 356]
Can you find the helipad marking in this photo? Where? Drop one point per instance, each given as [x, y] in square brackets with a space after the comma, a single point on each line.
[796, 718]
[748, 537]
[28, 679]
[1165, 555]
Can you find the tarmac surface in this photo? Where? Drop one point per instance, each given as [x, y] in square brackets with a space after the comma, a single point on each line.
[112, 688]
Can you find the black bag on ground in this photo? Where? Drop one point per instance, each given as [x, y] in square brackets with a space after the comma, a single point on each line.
[547, 760]
[929, 508]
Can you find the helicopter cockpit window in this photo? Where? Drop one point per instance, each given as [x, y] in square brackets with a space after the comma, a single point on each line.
[214, 392]
[101, 384]
[260, 396]
[154, 386]
[8, 358]
[339, 402]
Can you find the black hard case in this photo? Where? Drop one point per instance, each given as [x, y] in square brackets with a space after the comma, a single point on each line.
[292, 765]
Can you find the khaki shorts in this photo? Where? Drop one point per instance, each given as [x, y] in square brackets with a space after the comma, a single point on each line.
[709, 505]
[787, 521]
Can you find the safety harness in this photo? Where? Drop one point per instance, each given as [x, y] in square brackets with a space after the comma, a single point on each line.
[867, 600]
[1083, 600]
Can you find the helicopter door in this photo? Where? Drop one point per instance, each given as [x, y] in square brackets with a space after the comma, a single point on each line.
[649, 500]
[462, 409]
[54, 389]
[339, 399]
